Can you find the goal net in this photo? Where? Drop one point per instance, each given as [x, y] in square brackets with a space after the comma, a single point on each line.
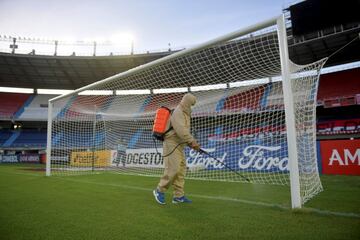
[245, 116]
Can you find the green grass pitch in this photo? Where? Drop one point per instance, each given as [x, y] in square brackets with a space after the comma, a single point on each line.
[113, 206]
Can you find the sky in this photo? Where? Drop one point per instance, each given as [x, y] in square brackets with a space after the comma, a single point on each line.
[153, 24]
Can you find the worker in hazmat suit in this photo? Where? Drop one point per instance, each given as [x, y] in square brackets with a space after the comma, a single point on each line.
[175, 162]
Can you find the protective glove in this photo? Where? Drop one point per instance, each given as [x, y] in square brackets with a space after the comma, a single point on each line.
[195, 145]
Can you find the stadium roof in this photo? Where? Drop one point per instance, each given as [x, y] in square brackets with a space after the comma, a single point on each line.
[54, 72]
[320, 44]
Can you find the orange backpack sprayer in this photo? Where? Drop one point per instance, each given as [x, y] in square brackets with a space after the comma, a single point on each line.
[162, 117]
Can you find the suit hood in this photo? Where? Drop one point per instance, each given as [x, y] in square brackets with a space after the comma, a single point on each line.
[187, 102]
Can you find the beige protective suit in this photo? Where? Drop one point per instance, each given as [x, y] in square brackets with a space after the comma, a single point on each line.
[175, 163]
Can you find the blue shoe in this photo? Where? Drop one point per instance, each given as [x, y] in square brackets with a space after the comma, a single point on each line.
[182, 199]
[159, 196]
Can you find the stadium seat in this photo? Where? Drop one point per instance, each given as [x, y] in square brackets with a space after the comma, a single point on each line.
[11, 103]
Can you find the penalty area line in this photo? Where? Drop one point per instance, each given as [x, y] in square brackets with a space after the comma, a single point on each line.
[229, 199]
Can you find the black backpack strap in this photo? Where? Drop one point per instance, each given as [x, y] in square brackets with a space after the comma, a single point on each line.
[170, 128]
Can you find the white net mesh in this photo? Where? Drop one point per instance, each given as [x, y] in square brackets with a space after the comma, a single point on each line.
[240, 119]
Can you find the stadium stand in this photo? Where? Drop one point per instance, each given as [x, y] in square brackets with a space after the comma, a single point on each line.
[242, 101]
[339, 88]
[135, 104]
[158, 100]
[80, 107]
[37, 109]
[213, 102]
[11, 103]
[85, 140]
[335, 127]
[4, 136]
[30, 138]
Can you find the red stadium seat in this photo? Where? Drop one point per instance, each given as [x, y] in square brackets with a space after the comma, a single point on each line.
[11, 103]
[339, 88]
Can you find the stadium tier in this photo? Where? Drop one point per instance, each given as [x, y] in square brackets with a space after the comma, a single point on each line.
[340, 88]
[12, 104]
[36, 110]
[4, 136]
[30, 138]
[34, 139]
[335, 89]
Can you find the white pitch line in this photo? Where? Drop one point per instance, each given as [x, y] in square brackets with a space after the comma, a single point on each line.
[330, 213]
[24, 174]
[221, 198]
[229, 199]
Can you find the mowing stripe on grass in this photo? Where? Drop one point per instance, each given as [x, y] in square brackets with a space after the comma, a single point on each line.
[263, 204]
[330, 213]
[220, 198]
[24, 174]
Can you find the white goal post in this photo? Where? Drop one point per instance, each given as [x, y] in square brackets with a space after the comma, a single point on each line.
[255, 114]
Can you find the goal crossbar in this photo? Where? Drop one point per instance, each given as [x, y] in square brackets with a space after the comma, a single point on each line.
[175, 55]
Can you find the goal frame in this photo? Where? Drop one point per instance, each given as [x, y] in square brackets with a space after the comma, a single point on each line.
[278, 21]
